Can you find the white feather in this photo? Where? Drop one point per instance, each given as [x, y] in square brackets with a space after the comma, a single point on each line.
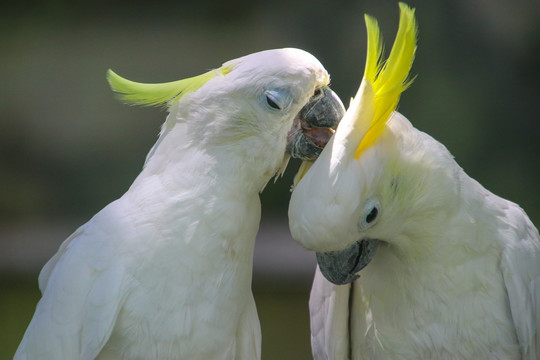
[165, 271]
[329, 312]
[521, 272]
[457, 274]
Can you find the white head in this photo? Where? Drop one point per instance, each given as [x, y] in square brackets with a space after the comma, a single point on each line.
[376, 177]
[244, 109]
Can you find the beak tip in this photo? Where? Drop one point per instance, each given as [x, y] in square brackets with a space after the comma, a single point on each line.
[338, 278]
[341, 267]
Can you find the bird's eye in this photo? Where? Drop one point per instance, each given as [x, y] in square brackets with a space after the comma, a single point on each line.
[370, 215]
[277, 99]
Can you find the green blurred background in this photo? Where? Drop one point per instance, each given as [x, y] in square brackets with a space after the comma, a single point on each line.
[67, 147]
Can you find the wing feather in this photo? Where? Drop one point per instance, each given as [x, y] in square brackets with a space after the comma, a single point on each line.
[329, 313]
[248, 337]
[82, 287]
[520, 266]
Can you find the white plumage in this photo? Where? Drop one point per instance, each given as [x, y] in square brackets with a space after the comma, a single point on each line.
[164, 272]
[457, 272]
[447, 269]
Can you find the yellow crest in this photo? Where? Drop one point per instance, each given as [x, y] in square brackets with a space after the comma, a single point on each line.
[164, 94]
[387, 79]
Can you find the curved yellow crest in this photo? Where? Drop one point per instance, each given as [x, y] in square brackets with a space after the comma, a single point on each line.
[164, 94]
[387, 79]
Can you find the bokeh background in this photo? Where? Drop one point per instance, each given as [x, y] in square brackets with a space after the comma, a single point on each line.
[67, 147]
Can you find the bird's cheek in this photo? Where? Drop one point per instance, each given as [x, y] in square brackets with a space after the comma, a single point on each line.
[295, 131]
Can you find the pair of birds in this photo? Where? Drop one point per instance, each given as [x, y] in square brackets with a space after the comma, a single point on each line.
[449, 270]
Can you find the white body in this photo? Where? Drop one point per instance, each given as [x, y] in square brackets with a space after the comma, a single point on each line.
[456, 276]
[165, 271]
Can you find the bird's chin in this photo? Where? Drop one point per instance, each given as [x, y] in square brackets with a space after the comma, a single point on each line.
[341, 267]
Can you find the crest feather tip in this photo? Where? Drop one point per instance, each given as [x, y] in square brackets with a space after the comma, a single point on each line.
[391, 77]
[163, 94]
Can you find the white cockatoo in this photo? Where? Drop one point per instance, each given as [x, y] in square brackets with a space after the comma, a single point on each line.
[448, 269]
[165, 271]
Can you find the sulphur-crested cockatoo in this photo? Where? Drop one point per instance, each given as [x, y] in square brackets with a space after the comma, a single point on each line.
[164, 272]
[452, 271]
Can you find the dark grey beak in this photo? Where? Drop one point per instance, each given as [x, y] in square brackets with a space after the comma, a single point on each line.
[315, 124]
[340, 267]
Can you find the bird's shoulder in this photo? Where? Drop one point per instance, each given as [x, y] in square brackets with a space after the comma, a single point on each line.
[520, 267]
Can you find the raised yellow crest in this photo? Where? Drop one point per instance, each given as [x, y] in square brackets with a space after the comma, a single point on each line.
[388, 79]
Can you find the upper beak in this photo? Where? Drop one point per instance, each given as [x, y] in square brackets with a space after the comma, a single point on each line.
[340, 267]
[314, 125]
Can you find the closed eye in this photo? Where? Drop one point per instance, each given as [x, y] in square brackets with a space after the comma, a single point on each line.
[277, 99]
[272, 103]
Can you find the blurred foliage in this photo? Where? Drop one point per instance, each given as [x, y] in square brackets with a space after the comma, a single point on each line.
[18, 299]
[67, 147]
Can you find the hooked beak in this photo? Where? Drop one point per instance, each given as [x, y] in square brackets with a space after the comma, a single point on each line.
[340, 267]
[315, 124]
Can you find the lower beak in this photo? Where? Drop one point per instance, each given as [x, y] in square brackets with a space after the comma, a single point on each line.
[315, 124]
[340, 267]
